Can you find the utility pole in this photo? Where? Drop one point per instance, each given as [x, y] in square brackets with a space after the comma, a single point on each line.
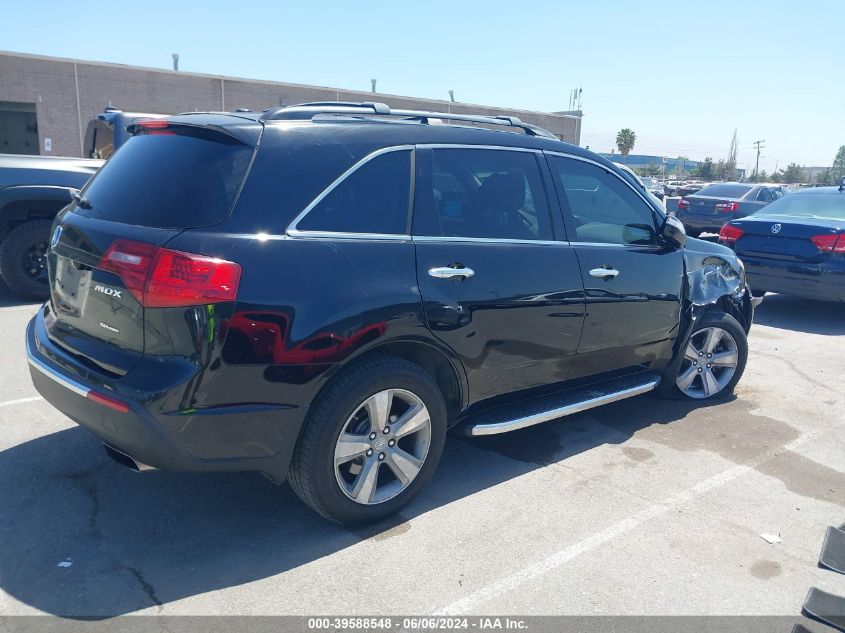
[760, 146]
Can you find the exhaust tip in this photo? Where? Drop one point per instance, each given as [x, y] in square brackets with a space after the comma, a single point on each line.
[126, 460]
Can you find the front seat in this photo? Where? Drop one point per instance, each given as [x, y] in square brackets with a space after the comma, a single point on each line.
[496, 206]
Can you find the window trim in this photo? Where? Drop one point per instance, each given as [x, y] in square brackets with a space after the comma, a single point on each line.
[292, 231]
[495, 240]
[568, 212]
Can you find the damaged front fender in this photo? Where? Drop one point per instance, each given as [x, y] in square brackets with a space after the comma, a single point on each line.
[716, 276]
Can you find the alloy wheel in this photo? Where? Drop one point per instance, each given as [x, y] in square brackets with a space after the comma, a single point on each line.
[710, 361]
[382, 446]
[35, 262]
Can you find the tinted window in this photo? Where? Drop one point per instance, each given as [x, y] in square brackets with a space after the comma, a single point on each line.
[765, 195]
[169, 181]
[725, 191]
[373, 199]
[808, 205]
[483, 193]
[99, 139]
[604, 209]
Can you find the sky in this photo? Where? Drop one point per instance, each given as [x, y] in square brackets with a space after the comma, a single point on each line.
[682, 75]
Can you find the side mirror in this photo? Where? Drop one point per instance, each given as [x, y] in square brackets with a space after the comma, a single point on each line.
[673, 232]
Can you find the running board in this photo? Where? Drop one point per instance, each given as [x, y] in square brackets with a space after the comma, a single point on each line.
[528, 413]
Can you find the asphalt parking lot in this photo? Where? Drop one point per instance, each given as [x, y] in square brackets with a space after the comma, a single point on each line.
[641, 507]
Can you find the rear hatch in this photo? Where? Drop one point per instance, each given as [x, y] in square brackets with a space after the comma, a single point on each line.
[787, 238]
[108, 262]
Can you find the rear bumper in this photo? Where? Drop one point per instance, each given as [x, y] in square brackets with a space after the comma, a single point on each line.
[240, 437]
[822, 282]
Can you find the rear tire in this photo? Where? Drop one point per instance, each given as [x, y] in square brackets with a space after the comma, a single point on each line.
[23, 259]
[714, 359]
[345, 465]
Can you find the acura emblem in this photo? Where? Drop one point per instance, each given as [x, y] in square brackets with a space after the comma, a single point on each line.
[776, 228]
[56, 235]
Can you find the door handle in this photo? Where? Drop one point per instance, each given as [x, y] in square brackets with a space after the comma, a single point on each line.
[447, 272]
[604, 273]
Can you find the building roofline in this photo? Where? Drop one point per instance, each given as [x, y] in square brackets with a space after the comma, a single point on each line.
[69, 60]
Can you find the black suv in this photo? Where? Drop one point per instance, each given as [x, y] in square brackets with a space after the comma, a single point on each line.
[319, 292]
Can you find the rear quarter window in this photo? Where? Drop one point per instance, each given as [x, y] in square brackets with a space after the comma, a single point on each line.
[173, 181]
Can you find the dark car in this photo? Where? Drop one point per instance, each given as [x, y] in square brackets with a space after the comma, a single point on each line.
[32, 191]
[318, 293]
[796, 245]
[690, 188]
[712, 206]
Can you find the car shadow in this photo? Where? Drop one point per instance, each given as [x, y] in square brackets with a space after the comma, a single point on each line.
[801, 315]
[81, 536]
[9, 299]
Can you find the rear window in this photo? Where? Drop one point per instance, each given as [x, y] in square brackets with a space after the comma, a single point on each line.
[724, 191]
[172, 181]
[99, 139]
[830, 206]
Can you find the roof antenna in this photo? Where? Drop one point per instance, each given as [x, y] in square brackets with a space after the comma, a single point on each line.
[373, 84]
[452, 96]
[175, 61]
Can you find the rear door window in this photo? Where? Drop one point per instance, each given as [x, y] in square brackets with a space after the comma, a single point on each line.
[482, 193]
[172, 181]
[375, 198]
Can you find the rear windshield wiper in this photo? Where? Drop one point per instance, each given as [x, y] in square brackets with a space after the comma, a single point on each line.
[81, 201]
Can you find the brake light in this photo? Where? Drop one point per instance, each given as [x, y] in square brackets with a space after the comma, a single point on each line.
[830, 243]
[683, 204]
[155, 126]
[727, 207]
[163, 278]
[729, 234]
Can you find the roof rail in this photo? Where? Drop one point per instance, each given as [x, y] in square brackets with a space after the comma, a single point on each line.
[314, 109]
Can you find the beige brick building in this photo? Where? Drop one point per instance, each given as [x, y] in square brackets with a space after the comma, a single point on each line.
[46, 102]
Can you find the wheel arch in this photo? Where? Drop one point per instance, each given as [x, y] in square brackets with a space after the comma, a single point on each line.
[24, 203]
[444, 368]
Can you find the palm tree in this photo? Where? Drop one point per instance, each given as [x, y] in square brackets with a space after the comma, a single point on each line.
[625, 140]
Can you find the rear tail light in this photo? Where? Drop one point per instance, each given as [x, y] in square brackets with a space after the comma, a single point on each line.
[683, 205]
[727, 207]
[729, 234]
[162, 278]
[830, 243]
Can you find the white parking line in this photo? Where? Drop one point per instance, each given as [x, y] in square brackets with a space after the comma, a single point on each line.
[33, 308]
[559, 558]
[9, 403]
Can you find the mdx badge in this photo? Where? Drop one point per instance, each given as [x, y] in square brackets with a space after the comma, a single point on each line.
[111, 292]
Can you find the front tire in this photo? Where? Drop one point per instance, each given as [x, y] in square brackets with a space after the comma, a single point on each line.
[23, 259]
[714, 359]
[371, 441]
